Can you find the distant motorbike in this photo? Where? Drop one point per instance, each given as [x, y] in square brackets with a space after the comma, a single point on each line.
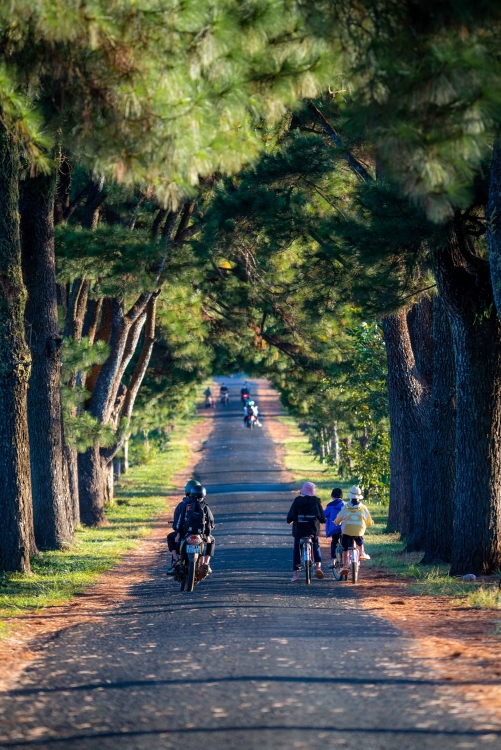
[225, 399]
[245, 398]
[188, 571]
[208, 402]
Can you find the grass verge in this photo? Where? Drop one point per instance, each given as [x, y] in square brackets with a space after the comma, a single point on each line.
[139, 499]
[304, 466]
[386, 550]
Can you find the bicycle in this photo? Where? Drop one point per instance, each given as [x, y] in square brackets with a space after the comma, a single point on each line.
[354, 564]
[338, 563]
[306, 549]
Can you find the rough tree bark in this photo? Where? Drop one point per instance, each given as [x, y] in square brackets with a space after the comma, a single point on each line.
[493, 223]
[465, 286]
[73, 328]
[420, 327]
[53, 517]
[400, 456]
[409, 409]
[438, 546]
[16, 513]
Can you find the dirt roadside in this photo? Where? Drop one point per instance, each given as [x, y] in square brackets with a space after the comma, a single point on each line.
[34, 632]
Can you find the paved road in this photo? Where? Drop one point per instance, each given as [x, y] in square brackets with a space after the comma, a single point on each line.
[246, 661]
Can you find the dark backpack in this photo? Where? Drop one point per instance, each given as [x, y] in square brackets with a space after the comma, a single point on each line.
[194, 518]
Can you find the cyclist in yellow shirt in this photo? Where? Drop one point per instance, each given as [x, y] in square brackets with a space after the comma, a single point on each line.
[353, 518]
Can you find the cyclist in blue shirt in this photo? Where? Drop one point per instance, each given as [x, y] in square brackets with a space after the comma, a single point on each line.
[331, 529]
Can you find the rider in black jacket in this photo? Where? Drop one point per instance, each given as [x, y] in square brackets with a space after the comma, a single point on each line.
[306, 514]
[198, 493]
[172, 545]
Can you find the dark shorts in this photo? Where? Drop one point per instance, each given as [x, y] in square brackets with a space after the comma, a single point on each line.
[334, 540]
[347, 541]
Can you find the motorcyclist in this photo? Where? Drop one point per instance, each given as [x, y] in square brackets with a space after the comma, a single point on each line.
[172, 545]
[250, 410]
[223, 390]
[198, 493]
[245, 393]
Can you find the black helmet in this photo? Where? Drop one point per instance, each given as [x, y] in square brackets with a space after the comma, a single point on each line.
[189, 486]
[198, 492]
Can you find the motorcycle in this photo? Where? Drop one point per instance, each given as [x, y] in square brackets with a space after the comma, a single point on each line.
[225, 399]
[250, 421]
[188, 571]
[245, 398]
[208, 402]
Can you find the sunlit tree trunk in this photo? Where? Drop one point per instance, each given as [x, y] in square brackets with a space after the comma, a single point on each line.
[16, 512]
[53, 517]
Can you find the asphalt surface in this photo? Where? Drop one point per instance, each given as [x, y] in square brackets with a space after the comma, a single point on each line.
[248, 660]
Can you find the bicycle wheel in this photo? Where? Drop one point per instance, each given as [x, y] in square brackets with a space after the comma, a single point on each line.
[307, 566]
[354, 571]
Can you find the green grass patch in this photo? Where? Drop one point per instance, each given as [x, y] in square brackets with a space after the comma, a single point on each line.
[304, 466]
[139, 499]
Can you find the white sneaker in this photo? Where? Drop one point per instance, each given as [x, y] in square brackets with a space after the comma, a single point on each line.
[295, 577]
[364, 556]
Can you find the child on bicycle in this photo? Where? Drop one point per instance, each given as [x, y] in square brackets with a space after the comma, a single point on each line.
[331, 512]
[353, 518]
[306, 514]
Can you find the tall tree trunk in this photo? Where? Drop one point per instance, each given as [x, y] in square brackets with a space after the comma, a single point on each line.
[51, 500]
[91, 483]
[93, 464]
[75, 315]
[420, 327]
[438, 545]
[493, 223]
[71, 459]
[412, 401]
[400, 456]
[465, 286]
[16, 512]
[335, 436]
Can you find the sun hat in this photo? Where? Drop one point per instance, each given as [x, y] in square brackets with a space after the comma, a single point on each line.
[355, 493]
[308, 488]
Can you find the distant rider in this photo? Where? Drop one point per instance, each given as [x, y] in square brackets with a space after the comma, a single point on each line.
[245, 393]
[306, 514]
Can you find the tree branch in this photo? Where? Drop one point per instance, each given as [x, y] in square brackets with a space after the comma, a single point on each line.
[353, 163]
[69, 210]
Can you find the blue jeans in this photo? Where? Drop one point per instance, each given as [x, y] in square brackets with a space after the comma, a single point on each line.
[296, 554]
